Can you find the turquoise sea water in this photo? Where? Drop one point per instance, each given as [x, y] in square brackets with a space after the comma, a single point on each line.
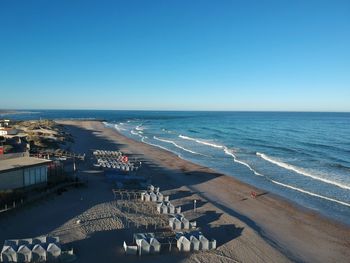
[304, 157]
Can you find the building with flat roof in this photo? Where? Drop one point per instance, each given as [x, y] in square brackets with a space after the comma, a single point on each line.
[8, 131]
[21, 172]
[4, 123]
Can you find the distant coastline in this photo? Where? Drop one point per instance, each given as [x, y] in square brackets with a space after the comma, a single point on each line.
[7, 112]
[12, 112]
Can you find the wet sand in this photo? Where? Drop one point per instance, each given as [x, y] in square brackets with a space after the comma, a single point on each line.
[265, 229]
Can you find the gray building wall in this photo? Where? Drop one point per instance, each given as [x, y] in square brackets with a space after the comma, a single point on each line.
[23, 177]
[11, 180]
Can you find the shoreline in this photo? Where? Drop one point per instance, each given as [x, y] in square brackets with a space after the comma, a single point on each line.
[288, 227]
[14, 112]
[290, 202]
[265, 229]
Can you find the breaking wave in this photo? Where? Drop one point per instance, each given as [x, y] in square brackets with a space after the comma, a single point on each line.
[156, 145]
[139, 128]
[176, 145]
[309, 193]
[118, 128]
[226, 150]
[201, 142]
[136, 133]
[299, 171]
[230, 152]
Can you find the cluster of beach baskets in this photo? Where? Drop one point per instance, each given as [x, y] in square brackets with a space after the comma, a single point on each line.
[114, 160]
[187, 238]
[39, 249]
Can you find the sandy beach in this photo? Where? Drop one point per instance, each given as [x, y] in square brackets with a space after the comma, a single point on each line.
[265, 229]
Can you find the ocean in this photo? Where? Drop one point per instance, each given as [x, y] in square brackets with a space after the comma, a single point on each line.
[300, 156]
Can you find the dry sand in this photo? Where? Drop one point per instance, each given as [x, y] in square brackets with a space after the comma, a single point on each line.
[266, 229]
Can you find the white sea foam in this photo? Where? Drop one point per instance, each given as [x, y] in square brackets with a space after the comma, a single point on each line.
[136, 133]
[157, 145]
[226, 150]
[139, 127]
[118, 128]
[230, 152]
[176, 145]
[201, 142]
[300, 171]
[309, 193]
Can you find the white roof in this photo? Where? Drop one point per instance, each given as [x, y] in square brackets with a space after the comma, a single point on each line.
[21, 162]
[38, 249]
[24, 250]
[8, 250]
[11, 243]
[194, 239]
[201, 237]
[53, 249]
[154, 241]
[144, 244]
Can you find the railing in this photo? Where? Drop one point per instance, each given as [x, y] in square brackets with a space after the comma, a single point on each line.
[13, 155]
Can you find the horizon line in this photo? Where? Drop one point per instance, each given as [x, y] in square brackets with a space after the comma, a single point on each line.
[177, 110]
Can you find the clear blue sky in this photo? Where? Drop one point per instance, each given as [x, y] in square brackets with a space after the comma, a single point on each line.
[175, 54]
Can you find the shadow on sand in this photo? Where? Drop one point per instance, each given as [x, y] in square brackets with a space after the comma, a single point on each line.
[101, 246]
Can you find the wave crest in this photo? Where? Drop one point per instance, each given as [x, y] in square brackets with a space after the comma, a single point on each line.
[226, 150]
[118, 128]
[136, 133]
[201, 142]
[176, 145]
[156, 145]
[309, 193]
[300, 171]
[139, 128]
[230, 152]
